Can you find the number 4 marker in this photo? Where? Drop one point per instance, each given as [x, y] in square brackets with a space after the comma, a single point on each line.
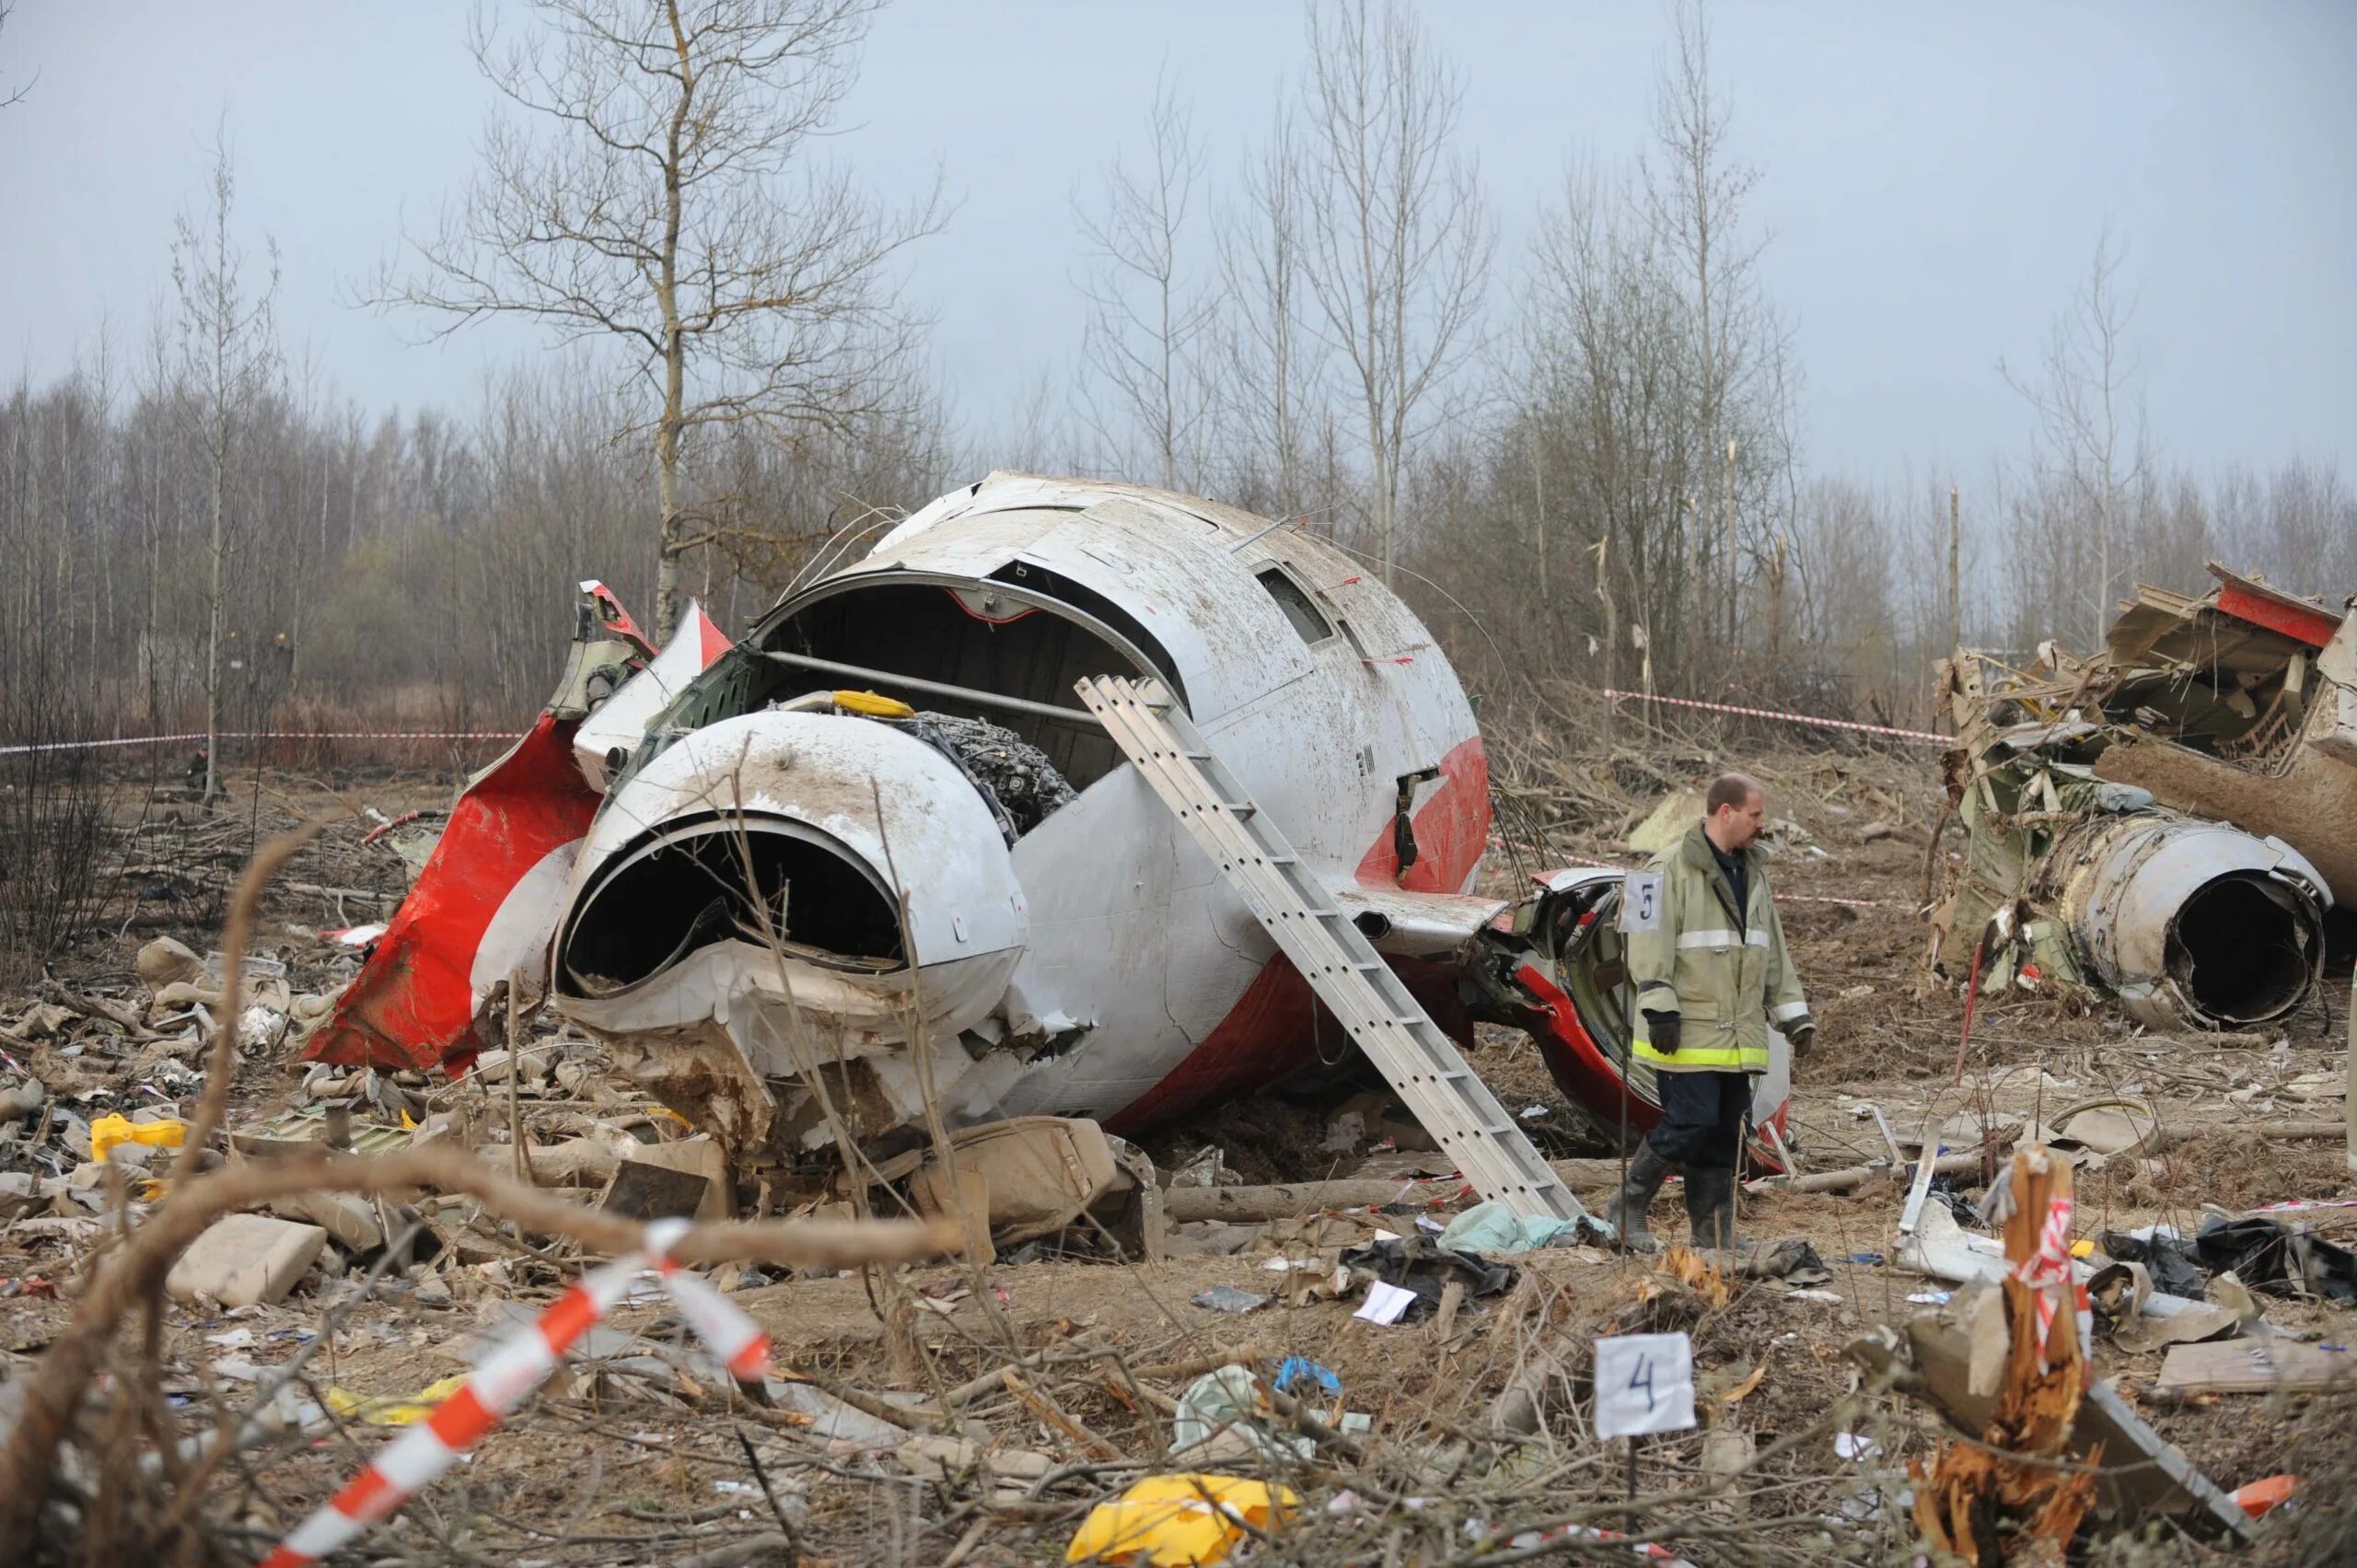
[1643, 1383]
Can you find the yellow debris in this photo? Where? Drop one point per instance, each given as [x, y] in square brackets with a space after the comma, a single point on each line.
[115, 1128]
[1175, 1521]
[874, 704]
[391, 1410]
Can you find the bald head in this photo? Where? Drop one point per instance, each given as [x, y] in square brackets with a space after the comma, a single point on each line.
[1733, 809]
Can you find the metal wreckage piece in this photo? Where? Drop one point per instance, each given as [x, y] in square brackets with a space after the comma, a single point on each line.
[2168, 821]
[877, 857]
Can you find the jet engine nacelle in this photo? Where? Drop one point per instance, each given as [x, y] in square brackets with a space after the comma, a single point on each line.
[739, 892]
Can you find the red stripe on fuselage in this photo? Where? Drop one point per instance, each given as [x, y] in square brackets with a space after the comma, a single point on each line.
[1452, 829]
[1274, 1031]
[1277, 1023]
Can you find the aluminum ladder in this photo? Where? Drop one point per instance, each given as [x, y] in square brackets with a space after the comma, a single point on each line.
[1384, 1019]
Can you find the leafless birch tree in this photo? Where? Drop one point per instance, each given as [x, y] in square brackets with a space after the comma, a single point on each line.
[228, 359]
[1146, 315]
[1694, 194]
[672, 202]
[2085, 403]
[1399, 241]
[1273, 394]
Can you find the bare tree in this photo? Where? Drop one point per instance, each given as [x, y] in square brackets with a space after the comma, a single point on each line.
[675, 208]
[1399, 241]
[1272, 373]
[2084, 400]
[17, 94]
[228, 357]
[1694, 193]
[1145, 316]
[1611, 400]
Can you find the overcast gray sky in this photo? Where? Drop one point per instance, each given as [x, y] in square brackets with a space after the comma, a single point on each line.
[1935, 180]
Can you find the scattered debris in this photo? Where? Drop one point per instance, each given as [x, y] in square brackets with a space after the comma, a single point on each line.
[1170, 1521]
[247, 1260]
[2252, 1366]
[980, 1409]
[1228, 1299]
[1974, 1500]
[2151, 822]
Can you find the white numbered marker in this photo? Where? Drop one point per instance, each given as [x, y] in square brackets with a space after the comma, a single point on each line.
[1643, 1383]
[1641, 901]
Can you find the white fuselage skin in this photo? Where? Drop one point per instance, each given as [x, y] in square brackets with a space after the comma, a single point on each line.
[1132, 952]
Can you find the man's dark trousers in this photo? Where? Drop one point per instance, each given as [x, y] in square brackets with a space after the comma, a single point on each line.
[1701, 1116]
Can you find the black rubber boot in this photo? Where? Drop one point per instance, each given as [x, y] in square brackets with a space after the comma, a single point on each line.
[1626, 1211]
[1709, 1208]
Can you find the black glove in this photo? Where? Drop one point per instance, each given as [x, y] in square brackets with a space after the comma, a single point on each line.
[1663, 1029]
[1802, 1033]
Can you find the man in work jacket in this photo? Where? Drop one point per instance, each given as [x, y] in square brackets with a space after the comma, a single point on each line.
[1706, 953]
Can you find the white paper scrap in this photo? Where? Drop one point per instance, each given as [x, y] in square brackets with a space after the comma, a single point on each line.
[1643, 1383]
[1384, 1303]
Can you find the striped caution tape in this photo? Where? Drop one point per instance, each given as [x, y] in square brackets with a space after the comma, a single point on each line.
[2046, 1271]
[96, 745]
[265, 735]
[1781, 897]
[410, 1462]
[1810, 719]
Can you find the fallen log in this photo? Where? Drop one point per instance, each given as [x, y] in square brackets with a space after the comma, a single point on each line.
[1183, 1205]
[1287, 1201]
[1850, 1178]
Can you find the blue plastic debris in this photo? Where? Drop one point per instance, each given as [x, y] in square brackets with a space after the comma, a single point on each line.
[1300, 1368]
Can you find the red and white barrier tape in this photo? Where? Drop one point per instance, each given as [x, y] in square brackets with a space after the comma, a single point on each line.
[410, 1462]
[267, 735]
[1781, 897]
[96, 745]
[2047, 1272]
[1785, 717]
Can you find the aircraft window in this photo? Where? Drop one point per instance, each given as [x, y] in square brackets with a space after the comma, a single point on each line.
[1303, 615]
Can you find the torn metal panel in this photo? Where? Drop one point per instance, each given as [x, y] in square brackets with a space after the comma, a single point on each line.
[2140, 1475]
[2159, 823]
[1416, 925]
[607, 734]
[486, 902]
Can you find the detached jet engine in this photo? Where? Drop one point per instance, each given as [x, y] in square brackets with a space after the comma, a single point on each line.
[879, 854]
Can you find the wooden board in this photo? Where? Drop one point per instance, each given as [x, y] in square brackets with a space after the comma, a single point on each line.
[2252, 1366]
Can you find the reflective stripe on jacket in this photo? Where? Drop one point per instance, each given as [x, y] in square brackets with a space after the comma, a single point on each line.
[1725, 972]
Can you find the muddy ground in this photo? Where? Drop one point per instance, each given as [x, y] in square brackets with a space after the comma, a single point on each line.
[637, 1453]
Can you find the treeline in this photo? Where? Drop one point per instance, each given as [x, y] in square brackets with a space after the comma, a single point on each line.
[1586, 461]
[418, 564]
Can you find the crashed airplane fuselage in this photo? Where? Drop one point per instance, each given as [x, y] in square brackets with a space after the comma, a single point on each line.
[2169, 821]
[877, 857]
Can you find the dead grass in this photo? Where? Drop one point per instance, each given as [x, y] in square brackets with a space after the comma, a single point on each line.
[606, 1469]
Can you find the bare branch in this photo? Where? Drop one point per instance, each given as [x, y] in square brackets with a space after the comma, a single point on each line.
[652, 185]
